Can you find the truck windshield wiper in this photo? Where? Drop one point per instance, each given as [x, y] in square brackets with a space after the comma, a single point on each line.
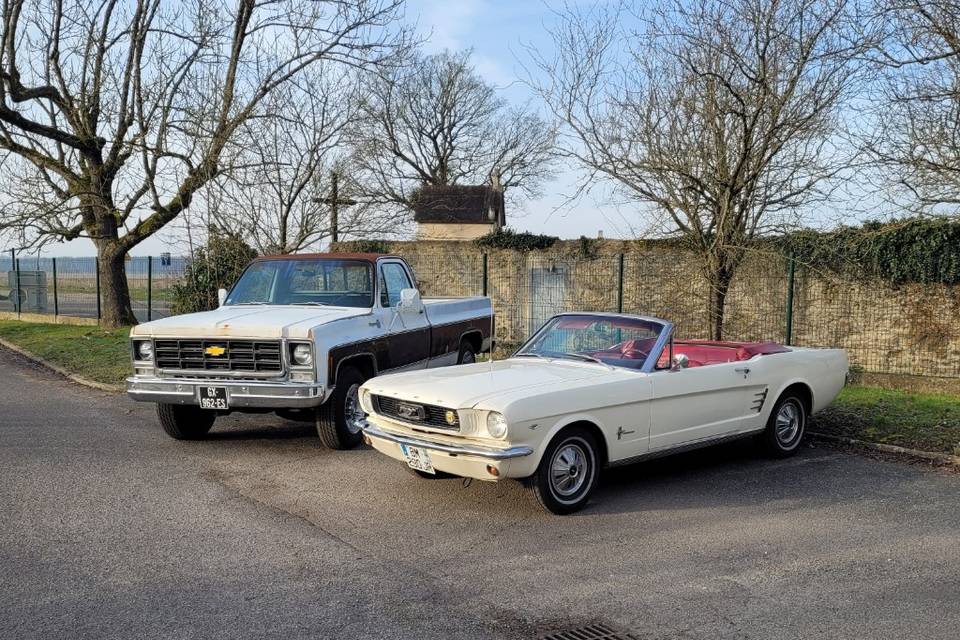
[253, 302]
[309, 304]
[530, 355]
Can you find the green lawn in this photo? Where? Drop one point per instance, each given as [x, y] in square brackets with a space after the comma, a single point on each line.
[91, 352]
[918, 421]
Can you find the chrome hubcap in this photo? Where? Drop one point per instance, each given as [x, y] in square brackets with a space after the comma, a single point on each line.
[352, 411]
[789, 421]
[569, 470]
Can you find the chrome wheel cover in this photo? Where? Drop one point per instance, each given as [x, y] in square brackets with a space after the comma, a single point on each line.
[789, 423]
[353, 413]
[569, 469]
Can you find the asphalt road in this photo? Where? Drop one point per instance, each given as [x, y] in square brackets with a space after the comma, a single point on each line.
[109, 529]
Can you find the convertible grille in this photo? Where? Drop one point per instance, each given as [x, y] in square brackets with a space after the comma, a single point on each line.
[415, 413]
[263, 357]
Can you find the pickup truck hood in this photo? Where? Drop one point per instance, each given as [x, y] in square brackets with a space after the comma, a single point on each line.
[245, 321]
[467, 386]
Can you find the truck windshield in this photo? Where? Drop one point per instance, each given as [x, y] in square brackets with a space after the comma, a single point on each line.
[320, 282]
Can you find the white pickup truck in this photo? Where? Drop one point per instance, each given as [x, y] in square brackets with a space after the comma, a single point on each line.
[298, 335]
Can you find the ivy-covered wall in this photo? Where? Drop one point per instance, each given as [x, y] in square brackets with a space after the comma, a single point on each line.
[890, 325]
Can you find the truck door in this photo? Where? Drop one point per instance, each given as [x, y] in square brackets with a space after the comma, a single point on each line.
[408, 335]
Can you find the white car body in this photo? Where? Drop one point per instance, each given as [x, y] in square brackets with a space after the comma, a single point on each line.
[635, 414]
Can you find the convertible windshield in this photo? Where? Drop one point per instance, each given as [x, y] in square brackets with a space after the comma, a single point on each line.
[611, 340]
[309, 282]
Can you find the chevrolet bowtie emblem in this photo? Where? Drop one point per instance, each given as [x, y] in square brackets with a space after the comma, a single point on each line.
[215, 351]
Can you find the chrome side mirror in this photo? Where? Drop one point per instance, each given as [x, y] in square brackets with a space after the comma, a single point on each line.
[410, 301]
[221, 296]
[680, 361]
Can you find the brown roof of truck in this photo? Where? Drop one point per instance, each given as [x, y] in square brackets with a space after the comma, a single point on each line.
[366, 257]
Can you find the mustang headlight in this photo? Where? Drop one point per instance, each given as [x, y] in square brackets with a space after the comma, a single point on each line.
[302, 355]
[144, 350]
[496, 425]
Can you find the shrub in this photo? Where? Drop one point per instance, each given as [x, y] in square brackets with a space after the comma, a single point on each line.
[510, 239]
[214, 267]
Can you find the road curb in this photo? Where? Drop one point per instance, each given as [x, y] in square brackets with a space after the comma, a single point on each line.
[112, 388]
[942, 458]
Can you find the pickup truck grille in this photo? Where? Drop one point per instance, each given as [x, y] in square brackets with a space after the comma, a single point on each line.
[411, 412]
[244, 356]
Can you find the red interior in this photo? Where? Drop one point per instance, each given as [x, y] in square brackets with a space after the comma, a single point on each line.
[704, 352]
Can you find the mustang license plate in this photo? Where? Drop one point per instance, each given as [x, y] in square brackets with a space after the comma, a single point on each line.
[213, 398]
[418, 458]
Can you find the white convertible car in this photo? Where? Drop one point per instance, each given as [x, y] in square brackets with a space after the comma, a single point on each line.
[590, 390]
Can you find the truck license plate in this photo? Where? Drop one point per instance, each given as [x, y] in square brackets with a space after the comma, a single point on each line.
[213, 398]
[417, 458]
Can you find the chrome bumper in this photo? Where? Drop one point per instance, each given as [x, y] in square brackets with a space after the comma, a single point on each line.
[265, 395]
[489, 453]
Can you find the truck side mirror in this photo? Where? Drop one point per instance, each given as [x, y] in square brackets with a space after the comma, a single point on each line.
[410, 301]
[221, 296]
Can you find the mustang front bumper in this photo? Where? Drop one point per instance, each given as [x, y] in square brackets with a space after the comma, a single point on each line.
[265, 395]
[465, 460]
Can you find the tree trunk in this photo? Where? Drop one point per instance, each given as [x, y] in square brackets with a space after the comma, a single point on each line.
[716, 302]
[116, 308]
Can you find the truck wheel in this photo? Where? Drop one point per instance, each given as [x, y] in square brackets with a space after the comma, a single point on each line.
[467, 354]
[340, 418]
[567, 473]
[785, 426]
[184, 422]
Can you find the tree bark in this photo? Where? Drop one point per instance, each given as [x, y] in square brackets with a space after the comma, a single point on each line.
[716, 301]
[115, 304]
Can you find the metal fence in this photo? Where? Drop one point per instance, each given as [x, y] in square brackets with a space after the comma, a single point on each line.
[910, 329]
[68, 286]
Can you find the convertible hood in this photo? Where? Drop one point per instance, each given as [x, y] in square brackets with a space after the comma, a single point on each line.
[243, 321]
[466, 386]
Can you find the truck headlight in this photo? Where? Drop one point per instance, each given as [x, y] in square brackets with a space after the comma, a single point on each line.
[496, 425]
[144, 350]
[302, 355]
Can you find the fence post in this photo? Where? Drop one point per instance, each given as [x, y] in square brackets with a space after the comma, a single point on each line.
[485, 275]
[18, 303]
[96, 268]
[620, 284]
[56, 301]
[149, 288]
[791, 274]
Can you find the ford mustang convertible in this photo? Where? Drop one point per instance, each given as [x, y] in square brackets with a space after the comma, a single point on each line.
[590, 390]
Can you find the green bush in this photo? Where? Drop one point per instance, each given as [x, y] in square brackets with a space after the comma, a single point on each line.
[921, 250]
[364, 246]
[217, 266]
[510, 239]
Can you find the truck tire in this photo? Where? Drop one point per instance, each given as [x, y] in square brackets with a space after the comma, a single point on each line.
[184, 422]
[467, 355]
[338, 418]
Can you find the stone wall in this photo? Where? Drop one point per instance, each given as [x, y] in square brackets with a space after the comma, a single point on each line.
[906, 330]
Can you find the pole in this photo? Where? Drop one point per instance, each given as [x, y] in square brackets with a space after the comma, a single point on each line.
[96, 266]
[56, 301]
[485, 276]
[18, 303]
[620, 285]
[149, 288]
[334, 202]
[791, 274]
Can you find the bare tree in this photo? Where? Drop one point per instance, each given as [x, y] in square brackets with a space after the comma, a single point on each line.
[282, 167]
[916, 136]
[718, 116]
[435, 121]
[117, 113]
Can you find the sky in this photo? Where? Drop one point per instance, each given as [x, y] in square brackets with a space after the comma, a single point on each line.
[498, 32]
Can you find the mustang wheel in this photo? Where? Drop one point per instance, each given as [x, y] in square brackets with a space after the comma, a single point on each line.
[467, 354]
[340, 418]
[567, 473]
[786, 426]
[184, 422]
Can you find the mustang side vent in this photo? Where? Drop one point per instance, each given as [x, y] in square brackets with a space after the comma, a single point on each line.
[759, 399]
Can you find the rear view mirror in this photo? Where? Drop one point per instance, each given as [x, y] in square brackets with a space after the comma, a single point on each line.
[410, 301]
[221, 296]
